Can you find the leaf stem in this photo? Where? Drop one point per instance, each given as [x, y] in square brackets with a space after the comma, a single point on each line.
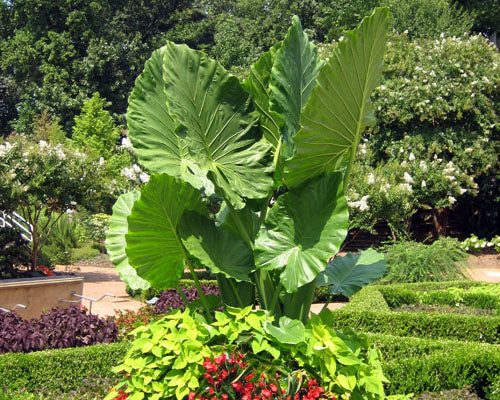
[200, 290]
[181, 293]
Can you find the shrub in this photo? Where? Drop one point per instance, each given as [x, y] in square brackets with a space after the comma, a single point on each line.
[62, 370]
[59, 328]
[170, 357]
[95, 129]
[415, 365]
[482, 297]
[475, 245]
[13, 251]
[409, 261]
[359, 316]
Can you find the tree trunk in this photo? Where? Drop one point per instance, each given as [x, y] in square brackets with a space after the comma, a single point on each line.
[440, 219]
[34, 252]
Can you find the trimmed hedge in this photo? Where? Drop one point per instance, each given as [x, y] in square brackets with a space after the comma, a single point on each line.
[397, 295]
[416, 365]
[412, 365]
[61, 370]
[360, 315]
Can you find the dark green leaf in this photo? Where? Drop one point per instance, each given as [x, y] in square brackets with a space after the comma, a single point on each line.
[348, 274]
[218, 248]
[293, 77]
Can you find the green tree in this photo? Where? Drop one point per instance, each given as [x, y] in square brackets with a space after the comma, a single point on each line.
[95, 129]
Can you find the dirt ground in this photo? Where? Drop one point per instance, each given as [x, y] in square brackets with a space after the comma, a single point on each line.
[100, 278]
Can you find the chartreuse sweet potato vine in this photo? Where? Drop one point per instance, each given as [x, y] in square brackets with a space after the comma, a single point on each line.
[170, 358]
[248, 178]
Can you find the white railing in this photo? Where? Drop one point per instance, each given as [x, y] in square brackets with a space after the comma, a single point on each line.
[14, 220]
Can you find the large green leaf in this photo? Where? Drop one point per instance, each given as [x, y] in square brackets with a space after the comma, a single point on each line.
[218, 248]
[152, 128]
[257, 84]
[348, 274]
[154, 247]
[303, 230]
[339, 107]
[293, 77]
[115, 240]
[217, 122]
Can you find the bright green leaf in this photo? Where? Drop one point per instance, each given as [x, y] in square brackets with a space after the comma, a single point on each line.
[339, 107]
[152, 129]
[305, 227]
[154, 247]
[217, 122]
[289, 331]
[116, 244]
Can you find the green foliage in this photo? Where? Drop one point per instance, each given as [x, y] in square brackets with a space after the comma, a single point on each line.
[14, 252]
[167, 357]
[409, 261]
[415, 365]
[429, 18]
[94, 130]
[482, 297]
[63, 370]
[197, 127]
[348, 274]
[58, 245]
[361, 317]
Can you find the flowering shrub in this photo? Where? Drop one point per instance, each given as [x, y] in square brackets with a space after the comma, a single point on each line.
[182, 356]
[438, 121]
[473, 244]
[40, 178]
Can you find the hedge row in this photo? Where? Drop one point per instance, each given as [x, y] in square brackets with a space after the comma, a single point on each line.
[61, 371]
[368, 312]
[412, 366]
[397, 295]
[416, 365]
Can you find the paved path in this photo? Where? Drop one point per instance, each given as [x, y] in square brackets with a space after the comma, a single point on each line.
[104, 279]
[98, 281]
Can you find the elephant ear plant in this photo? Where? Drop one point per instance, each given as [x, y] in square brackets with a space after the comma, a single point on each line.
[248, 178]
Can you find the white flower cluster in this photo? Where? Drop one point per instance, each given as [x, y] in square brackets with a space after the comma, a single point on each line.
[4, 149]
[135, 174]
[361, 204]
